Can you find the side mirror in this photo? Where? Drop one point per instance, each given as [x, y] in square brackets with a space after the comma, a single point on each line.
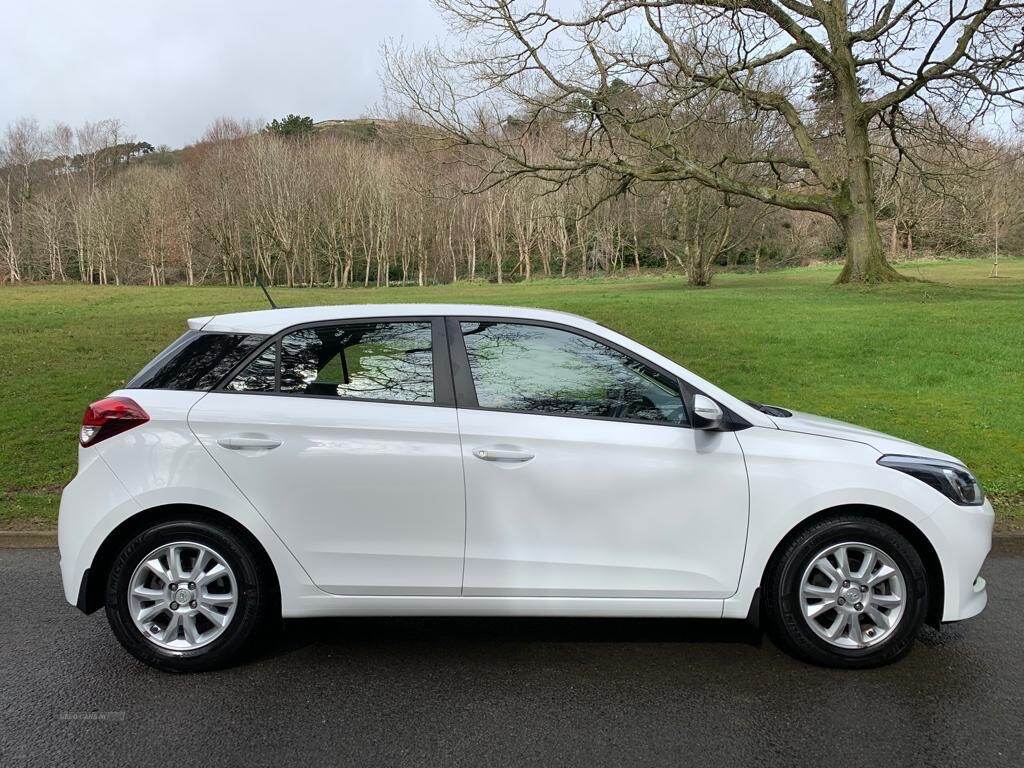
[707, 414]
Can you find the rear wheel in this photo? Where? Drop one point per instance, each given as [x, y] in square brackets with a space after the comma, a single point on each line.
[849, 591]
[186, 596]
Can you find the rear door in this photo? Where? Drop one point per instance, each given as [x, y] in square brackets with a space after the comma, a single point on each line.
[344, 436]
[583, 476]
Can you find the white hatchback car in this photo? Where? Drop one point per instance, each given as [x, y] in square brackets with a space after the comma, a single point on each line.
[468, 460]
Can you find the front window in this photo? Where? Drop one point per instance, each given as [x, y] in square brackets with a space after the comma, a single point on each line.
[537, 369]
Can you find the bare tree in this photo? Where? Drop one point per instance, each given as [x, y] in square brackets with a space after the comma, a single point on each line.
[1001, 200]
[227, 128]
[626, 76]
[705, 229]
[22, 145]
[333, 210]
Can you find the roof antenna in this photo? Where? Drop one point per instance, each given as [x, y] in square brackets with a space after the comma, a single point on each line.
[259, 281]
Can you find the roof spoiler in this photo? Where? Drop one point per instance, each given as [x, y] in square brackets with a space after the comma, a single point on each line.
[198, 323]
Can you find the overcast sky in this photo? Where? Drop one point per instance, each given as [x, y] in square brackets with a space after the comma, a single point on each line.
[167, 69]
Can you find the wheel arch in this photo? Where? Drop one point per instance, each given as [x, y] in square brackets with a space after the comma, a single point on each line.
[933, 567]
[90, 596]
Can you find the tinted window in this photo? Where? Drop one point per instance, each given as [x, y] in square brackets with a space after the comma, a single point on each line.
[547, 370]
[195, 361]
[368, 361]
[257, 376]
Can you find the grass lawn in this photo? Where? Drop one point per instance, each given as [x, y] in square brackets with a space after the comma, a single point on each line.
[938, 362]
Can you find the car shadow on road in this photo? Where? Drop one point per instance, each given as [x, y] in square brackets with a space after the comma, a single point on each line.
[468, 633]
[429, 638]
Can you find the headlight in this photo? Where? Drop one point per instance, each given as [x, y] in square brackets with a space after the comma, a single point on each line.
[953, 481]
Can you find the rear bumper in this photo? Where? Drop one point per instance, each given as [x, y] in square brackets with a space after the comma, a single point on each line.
[94, 494]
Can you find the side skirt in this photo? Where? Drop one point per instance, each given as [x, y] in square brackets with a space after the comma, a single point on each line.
[398, 605]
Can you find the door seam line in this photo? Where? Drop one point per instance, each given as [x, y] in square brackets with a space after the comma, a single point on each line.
[465, 505]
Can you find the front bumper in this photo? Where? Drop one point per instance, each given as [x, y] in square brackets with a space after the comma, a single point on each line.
[962, 537]
[976, 602]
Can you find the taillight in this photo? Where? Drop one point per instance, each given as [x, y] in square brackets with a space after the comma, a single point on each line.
[108, 417]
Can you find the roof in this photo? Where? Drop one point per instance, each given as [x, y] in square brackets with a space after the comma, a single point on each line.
[273, 320]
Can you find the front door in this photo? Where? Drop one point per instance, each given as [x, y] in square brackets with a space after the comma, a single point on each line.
[338, 435]
[583, 477]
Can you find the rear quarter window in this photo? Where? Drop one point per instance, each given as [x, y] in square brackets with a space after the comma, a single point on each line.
[196, 361]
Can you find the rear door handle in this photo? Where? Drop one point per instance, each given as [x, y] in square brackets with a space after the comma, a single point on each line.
[502, 454]
[241, 443]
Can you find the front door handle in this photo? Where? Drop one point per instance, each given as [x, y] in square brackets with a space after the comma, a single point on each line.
[502, 454]
[241, 443]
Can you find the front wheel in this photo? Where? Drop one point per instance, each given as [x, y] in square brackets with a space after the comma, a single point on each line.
[849, 591]
[186, 596]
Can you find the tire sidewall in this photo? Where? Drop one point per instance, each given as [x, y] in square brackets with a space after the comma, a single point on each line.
[251, 597]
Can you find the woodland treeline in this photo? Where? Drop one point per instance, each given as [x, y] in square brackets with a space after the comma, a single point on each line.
[372, 203]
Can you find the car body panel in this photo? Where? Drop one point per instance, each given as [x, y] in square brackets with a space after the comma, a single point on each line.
[159, 464]
[794, 476]
[603, 509]
[821, 426]
[368, 496]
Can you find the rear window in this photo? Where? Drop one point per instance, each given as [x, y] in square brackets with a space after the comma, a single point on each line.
[389, 361]
[196, 361]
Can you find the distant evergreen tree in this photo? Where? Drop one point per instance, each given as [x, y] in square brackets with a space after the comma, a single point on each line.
[824, 92]
[293, 125]
[823, 88]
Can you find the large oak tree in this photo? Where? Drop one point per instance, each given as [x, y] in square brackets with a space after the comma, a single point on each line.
[626, 81]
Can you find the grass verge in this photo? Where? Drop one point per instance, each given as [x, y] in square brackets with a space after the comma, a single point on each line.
[938, 362]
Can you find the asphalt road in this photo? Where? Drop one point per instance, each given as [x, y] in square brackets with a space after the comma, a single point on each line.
[505, 692]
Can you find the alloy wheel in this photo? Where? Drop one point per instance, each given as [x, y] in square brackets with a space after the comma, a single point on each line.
[182, 596]
[852, 595]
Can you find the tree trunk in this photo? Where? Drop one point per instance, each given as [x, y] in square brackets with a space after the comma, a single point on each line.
[995, 263]
[865, 254]
[865, 260]
[698, 272]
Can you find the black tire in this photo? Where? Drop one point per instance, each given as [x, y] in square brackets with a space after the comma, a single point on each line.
[255, 597]
[784, 618]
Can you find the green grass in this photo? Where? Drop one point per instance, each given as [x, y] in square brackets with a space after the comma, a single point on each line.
[939, 362]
